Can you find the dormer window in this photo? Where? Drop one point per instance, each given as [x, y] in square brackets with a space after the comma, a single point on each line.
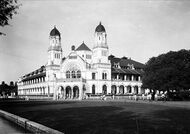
[116, 65]
[131, 66]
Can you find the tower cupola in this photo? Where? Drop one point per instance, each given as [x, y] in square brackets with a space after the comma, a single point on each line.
[100, 37]
[55, 49]
[54, 32]
[100, 49]
[100, 28]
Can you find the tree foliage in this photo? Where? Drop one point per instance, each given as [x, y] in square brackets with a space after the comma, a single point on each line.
[7, 9]
[170, 71]
[6, 89]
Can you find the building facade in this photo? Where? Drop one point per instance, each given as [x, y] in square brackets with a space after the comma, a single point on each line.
[83, 72]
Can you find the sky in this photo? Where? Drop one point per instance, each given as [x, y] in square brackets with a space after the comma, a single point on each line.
[139, 29]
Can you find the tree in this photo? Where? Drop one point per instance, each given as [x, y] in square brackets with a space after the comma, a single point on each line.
[7, 90]
[4, 88]
[170, 71]
[7, 9]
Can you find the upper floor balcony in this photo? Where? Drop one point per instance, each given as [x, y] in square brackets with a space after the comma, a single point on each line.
[71, 80]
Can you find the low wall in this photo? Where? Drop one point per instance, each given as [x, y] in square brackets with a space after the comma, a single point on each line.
[27, 124]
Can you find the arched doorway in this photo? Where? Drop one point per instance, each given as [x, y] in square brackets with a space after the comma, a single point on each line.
[113, 89]
[60, 93]
[75, 92]
[68, 92]
[136, 89]
[93, 89]
[129, 89]
[104, 89]
[121, 89]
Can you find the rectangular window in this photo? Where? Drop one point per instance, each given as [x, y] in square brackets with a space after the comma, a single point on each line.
[104, 53]
[88, 56]
[93, 76]
[105, 75]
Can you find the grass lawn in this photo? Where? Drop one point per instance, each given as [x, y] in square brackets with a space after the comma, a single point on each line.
[104, 117]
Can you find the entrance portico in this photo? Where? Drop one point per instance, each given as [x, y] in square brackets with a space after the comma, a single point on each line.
[67, 92]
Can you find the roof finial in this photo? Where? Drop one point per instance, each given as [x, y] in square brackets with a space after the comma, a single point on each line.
[54, 26]
[100, 23]
[83, 41]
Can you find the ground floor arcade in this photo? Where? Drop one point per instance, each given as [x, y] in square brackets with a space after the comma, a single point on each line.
[79, 90]
[129, 89]
[68, 92]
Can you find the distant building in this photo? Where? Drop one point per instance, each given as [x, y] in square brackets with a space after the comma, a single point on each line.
[83, 71]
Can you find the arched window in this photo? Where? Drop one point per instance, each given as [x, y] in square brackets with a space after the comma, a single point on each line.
[78, 74]
[105, 75]
[104, 89]
[93, 89]
[73, 74]
[68, 74]
[121, 89]
[129, 89]
[114, 89]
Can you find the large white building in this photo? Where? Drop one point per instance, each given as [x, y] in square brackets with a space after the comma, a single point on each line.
[83, 72]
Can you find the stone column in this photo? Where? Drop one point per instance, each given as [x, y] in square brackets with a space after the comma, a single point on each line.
[117, 77]
[72, 93]
[125, 77]
[55, 93]
[139, 90]
[132, 90]
[139, 78]
[80, 92]
[117, 89]
[132, 77]
[125, 89]
[64, 93]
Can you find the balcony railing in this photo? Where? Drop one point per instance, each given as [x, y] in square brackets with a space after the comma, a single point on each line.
[71, 80]
[126, 80]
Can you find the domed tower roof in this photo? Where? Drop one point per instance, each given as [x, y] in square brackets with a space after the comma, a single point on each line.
[54, 32]
[100, 28]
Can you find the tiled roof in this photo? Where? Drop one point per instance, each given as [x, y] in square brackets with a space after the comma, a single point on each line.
[125, 62]
[83, 47]
[35, 74]
[126, 71]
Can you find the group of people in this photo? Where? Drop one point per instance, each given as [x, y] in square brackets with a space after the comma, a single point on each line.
[149, 97]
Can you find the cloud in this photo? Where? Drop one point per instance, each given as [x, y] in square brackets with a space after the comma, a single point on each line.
[136, 29]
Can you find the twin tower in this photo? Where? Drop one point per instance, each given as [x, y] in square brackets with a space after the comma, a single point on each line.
[100, 49]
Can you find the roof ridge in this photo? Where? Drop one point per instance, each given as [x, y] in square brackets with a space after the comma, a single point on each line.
[83, 46]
